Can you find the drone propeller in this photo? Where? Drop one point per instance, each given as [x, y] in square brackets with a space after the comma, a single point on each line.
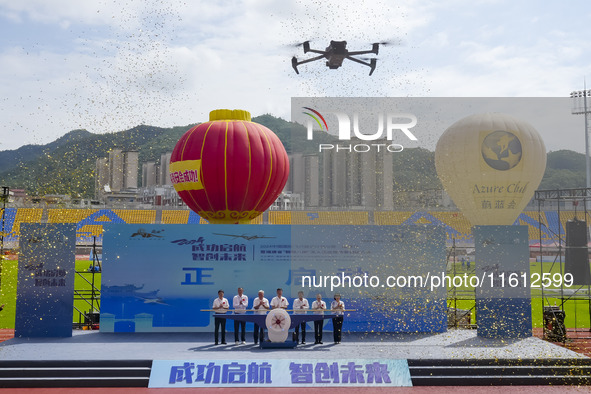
[297, 44]
[305, 44]
[390, 43]
[367, 59]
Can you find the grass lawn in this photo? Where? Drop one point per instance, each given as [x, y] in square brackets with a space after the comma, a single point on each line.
[8, 293]
[577, 311]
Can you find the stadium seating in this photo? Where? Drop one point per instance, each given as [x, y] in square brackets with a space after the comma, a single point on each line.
[390, 218]
[327, 217]
[68, 215]
[257, 220]
[137, 216]
[279, 217]
[9, 216]
[25, 215]
[90, 221]
[532, 220]
[175, 217]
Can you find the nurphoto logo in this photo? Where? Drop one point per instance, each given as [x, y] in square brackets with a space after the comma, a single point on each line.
[389, 125]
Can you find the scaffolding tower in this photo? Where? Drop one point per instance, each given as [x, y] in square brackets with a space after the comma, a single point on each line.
[89, 318]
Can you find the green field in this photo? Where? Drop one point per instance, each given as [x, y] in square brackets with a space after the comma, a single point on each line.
[577, 311]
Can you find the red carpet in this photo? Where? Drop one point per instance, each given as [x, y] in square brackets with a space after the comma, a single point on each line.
[578, 340]
[311, 390]
[6, 333]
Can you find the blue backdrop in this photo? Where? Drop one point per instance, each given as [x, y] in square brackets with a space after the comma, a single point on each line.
[503, 307]
[45, 290]
[158, 277]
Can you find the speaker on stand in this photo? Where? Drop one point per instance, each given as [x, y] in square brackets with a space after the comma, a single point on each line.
[577, 252]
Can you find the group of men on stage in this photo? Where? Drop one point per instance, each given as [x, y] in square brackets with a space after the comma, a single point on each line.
[261, 305]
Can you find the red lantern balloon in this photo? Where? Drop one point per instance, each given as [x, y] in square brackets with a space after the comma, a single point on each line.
[230, 169]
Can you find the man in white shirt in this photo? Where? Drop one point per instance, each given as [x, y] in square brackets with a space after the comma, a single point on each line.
[338, 307]
[320, 307]
[279, 301]
[240, 303]
[300, 306]
[261, 306]
[220, 305]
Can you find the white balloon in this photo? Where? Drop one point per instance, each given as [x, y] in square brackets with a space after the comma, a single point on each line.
[490, 164]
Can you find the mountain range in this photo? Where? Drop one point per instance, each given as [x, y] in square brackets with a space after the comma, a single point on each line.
[67, 165]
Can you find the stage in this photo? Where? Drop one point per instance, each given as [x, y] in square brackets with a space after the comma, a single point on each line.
[454, 344]
[456, 357]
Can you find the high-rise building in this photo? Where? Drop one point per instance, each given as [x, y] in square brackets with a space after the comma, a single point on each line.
[117, 173]
[296, 180]
[385, 184]
[101, 177]
[326, 194]
[344, 179]
[311, 181]
[164, 169]
[303, 181]
[116, 170]
[130, 169]
[149, 175]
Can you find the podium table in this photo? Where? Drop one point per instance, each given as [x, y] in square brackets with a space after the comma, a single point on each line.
[260, 320]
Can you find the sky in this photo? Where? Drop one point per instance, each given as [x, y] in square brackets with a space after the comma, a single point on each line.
[106, 66]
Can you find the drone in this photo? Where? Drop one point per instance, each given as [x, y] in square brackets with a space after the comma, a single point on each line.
[335, 53]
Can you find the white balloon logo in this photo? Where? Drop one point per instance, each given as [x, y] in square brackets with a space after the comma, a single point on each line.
[501, 150]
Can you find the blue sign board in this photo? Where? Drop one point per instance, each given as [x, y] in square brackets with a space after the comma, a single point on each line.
[503, 299]
[279, 373]
[45, 289]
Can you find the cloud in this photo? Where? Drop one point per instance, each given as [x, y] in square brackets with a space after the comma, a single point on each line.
[170, 63]
[63, 13]
[106, 65]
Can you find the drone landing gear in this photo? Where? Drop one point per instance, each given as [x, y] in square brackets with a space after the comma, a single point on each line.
[372, 63]
[295, 63]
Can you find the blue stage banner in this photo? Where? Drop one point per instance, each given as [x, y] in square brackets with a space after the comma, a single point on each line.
[45, 289]
[159, 277]
[280, 373]
[382, 272]
[503, 299]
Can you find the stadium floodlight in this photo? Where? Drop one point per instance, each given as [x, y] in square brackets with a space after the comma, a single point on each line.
[580, 107]
[3, 200]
